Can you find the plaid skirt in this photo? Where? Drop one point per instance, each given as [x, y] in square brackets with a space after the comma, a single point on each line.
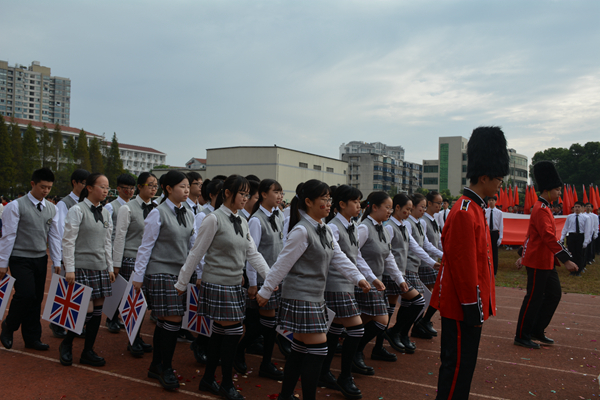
[412, 278]
[300, 316]
[343, 304]
[272, 304]
[162, 296]
[99, 281]
[371, 303]
[127, 266]
[427, 274]
[391, 287]
[221, 303]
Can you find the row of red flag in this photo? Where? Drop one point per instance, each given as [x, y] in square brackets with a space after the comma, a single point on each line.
[507, 197]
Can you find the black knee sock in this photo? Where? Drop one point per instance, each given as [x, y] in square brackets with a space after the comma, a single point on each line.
[372, 329]
[333, 337]
[429, 313]
[252, 324]
[213, 352]
[379, 341]
[169, 334]
[156, 342]
[267, 329]
[92, 327]
[355, 334]
[413, 311]
[311, 369]
[231, 338]
[68, 340]
[115, 315]
[293, 368]
[401, 319]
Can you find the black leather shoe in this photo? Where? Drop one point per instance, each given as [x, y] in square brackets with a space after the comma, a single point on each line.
[211, 387]
[419, 331]
[113, 325]
[542, 338]
[121, 324]
[199, 353]
[239, 363]
[168, 380]
[185, 336]
[6, 336]
[328, 380]
[136, 349]
[270, 371]
[429, 328]
[230, 393]
[89, 357]
[154, 371]
[348, 388]
[147, 347]
[526, 343]
[58, 331]
[284, 345]
[394, 341]
[409, 346]
[37, 345]
[66, 354]
[359, 366]
[382, 354]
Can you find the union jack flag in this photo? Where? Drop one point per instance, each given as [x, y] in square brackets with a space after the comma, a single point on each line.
[195, 322]
[6, 285]
[132, 309]
[66, 305]
[289, 335]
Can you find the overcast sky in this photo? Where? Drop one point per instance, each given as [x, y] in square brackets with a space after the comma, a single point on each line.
[184, 76]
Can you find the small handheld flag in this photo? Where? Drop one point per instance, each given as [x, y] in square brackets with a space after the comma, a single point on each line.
[6, 285]
[133, 308]
[66, 304]
[191, 320]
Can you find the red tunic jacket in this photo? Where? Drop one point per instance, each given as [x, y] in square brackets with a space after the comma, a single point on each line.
[465, 289]
[541, 248]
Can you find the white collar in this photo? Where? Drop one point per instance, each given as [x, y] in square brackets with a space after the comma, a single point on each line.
[172, 205]
[35, 201]
[429, 216]
[416, 221]
[88, 202]
[394, 220]
[267, 212]
[343, 219]
[373, 220]
[140, 201]
[210, 207]
[311, 220]
[74, 197]
[226, 210]
[243, 211]
[120, 200]
[191, 203]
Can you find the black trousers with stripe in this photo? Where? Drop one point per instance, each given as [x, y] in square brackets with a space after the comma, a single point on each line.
[460, 345]
[540, 302]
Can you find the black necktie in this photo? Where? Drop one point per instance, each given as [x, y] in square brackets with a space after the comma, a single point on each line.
[419, 228]
[146, 208]
[322, 231]
[180, 213]
[436, 228]
[195, 208]
[403, 230]
[491, 219]
[237, 224]
[39, 206]
[352, 235]
[272, 220]
[445, 212]
[97, 211]
[379, 229]
[577, 224]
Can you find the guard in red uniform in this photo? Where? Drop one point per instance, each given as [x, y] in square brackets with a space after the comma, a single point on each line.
[464, 291]
[541, 253]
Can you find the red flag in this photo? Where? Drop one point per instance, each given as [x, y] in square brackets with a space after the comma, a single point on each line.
[597, 199]
[516, 195]
[526, 203]
[499, 201]
[511, 198]
[585, 198]
[566, 207]
[575, 198]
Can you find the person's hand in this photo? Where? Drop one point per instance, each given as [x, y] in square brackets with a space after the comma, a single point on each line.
[252, 290]
[111, 275]
[518, 263]
[437, 266]
[499, 242]
[137, 286]
[571, 266]
[179, 292]
[198, 283]
[56, 270]
[404, 287]
[3, 272]
[70, 277]
[243, 281]
[378, 285]
[364, 285]
[261, 300]
[116, 270]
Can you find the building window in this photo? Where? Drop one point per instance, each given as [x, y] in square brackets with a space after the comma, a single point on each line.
[317, 167]
[464, 156]
[430, 181]
[431, 169]
[329, 169]
[303, 165]
[464, 168]
[464, 181]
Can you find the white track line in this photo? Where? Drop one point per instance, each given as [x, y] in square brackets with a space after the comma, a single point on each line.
[571, 328]
[556, 313]
[549, 345]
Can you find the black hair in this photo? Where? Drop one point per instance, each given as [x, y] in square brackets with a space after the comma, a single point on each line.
[400, 200]
[126, 179]
[445, 200]
[342, 193]
[42, 174]
[211, 187]
[253, 188]
[312, 190]
[492, 197]
[580, 203]
[233, 183]
[253, 178]
[193, 176]
[89, 181]
[142, 179]
[588, 204]
[171, 179]
[417, 198]
[374, 199]
[431, 196]
[264, 187]
[79, 175]
[220, 177]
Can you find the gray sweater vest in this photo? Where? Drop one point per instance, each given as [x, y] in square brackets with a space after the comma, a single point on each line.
[32, 231]
[399, 247]
[135, 231]
[432, 235]
[172, 245]
[306, 280]
[336, 282]
[89, 245]
[374, 251]
[225, 258]
[69, 202]
[115, 206]
[413, 262]
[271, 242]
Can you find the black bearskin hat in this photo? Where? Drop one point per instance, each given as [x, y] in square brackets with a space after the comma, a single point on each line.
[546, 176]
[487, 154]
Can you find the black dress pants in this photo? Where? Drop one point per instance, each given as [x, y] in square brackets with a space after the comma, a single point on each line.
[575, 246]
[26, 305]
[495, 235]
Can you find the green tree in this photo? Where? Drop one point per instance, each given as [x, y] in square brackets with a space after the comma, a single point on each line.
[17, 153]
[31, 155]
[57, 147]
[6, 165]
[96, 156]
[70, 149]
[113, 166]
[82, 154]
[45, 147]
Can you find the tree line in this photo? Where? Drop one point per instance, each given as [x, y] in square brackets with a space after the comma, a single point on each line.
[21, 154]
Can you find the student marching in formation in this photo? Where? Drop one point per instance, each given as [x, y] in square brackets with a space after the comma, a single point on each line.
[591, 249]
[495, 220]
[168, 232]
[125, 189]
[193, 200]
[266, 229]
[128, 238]
[87, 254]
[412, 302]
[29, 223]
[78, 178]
[578, 231]
[225, 241]
[248, 209]
[377, 259]
[304, 262]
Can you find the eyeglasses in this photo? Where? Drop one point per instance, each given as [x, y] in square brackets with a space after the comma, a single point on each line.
[128, 188]
[245, 195]
[500, 179]
[197, 184]
[438, 202]
[103, 188]
[328, 200]
[150, 186]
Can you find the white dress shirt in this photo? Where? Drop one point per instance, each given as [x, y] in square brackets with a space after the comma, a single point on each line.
[427, 246]
[61, 212]
[192, 205]
[595, 228]
[585, 227]
[497, 221]
[432, 218]
[255, 228]
[109, 206]
[123, 221]
[294, 247]
[151, 231]
[390, 267]
[10, 225]
[72, 223]
[441, 217]
[205, 236]
[1, 209]
[413, 246]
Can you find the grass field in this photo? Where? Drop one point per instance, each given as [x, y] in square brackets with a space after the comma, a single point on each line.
[509, 276]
